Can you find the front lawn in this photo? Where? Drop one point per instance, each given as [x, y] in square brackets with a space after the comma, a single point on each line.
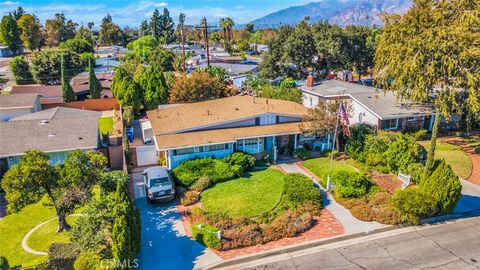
[43, 237]
[105, 125]
[453, 155]
[13, 228]
[248, 196]
[321, 167]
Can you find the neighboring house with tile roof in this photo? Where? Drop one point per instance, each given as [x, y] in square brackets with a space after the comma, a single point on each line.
[13, 105]
[219, 127]
[56, 132]
[372, 106]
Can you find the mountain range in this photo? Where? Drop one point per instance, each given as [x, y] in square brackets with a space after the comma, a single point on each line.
[341, 12]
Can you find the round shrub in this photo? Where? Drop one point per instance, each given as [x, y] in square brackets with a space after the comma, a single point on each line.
[87, 261]
[246, 161]
[217, 170]
[350, 184]
[4, 263]
[201, 184]
[190, 197]
[413, 204]
[444, 186]
[206, 235]
[302, 153]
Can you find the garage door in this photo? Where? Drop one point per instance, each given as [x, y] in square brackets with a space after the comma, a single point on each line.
[146, 155]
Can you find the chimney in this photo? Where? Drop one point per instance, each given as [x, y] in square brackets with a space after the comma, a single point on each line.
[310, 81]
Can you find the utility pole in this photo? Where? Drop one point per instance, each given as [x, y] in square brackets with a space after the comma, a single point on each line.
[204, 26]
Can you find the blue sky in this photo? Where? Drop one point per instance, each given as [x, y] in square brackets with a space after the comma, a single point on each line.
[133, 12]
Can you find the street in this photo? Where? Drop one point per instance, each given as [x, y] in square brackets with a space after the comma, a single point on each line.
[445, 246]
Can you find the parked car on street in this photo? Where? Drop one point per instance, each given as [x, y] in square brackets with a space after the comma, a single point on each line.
[159, 185]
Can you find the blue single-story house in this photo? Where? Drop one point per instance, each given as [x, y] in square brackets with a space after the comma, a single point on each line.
[217, 128]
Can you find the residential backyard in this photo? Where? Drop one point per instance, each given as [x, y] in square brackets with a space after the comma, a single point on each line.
[453, 155]
[248, 196]
[105, 125]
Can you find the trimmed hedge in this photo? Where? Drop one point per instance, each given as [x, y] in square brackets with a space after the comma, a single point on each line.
[206, 234]
[246, 161]
[444, 186]
[217, 170]
[299, 189]
[61, 256]
[350, 184]
[201, 184]
[413, 204]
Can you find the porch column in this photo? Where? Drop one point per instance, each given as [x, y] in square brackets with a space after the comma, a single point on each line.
[295, 142]
[274, 148]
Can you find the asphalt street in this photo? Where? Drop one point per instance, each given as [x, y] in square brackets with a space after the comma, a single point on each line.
[445, 246]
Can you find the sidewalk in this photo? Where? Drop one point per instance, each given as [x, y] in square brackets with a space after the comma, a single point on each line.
[349, 222]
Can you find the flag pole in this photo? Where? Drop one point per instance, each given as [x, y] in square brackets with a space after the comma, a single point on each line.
[329, 183]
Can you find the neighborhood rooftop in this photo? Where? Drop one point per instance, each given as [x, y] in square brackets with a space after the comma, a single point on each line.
[183, 117]
[48, 136]
[383, 104]
[233, 69]
[57, 113]
[18, 101]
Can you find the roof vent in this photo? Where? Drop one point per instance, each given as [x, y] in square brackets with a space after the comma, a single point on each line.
[51, 135]
[80, 138]
[43, 122]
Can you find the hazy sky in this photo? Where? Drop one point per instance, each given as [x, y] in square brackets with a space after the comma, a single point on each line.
[133, 12]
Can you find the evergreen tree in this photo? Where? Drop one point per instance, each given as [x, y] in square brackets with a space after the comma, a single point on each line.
[125, 89]
[67, 90]
[110, 33]
[93, 84]
[144, 28]
[10, 34]
[154, 86]
[31, 31]
[155, 24]
[429, 165]
[167, 27]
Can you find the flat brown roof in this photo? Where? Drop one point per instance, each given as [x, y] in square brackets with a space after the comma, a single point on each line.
[175, 118]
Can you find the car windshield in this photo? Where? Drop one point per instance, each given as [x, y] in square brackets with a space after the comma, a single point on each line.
[158, 182]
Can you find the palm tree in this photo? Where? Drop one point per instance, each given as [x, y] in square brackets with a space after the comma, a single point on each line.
[223, 25]
[255, 38]
[230, 23]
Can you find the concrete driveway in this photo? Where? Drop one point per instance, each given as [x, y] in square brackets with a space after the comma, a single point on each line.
[164, 244]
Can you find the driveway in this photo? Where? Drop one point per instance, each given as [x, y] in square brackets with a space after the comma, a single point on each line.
[164, 244]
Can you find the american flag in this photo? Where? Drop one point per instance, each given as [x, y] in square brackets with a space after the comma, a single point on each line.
[344, 119]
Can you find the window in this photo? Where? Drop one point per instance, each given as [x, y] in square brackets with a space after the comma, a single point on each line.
[257, 121]
[268, 119]
[184, 151]
[251, 146]
[216, 147]
[390, 124]
[411, 119]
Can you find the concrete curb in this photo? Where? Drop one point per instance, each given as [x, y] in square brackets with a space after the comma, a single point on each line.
[298, 247]
[316, 243]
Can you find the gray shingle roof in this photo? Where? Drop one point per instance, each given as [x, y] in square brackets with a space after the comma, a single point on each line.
[385, 105]
[17, 100]
[57, 113]
[53, 136]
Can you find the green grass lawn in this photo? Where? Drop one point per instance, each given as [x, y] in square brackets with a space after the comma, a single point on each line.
[105, 125]
[44, 236]
[13, 228]
[321, 167]
[248, 196]
[453, 155]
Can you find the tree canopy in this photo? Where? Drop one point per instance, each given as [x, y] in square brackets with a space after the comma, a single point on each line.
[10, 34]
[31, 31]
[433, 49]
[45, 65]
[154, 87]
[110, 32]
[196, 87]
[78, 45]
[67, 186]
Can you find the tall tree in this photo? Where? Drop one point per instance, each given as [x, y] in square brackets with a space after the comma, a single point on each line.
[181, 26]
[21, 70]
[94, 85]
[144, 28]
[360, 46]
[45, 65]
[110, 33]
[156, 24]
[58, 30]
[10, 34]
[18, 13]
[125, 88]
[300, 50]
[167, 27]
[428, 55]
[154, 87]
[67, 186]
[31, 31]
[67, 90]
[78, 45]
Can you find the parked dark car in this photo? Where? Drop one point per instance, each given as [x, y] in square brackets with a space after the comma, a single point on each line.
[159, 185]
